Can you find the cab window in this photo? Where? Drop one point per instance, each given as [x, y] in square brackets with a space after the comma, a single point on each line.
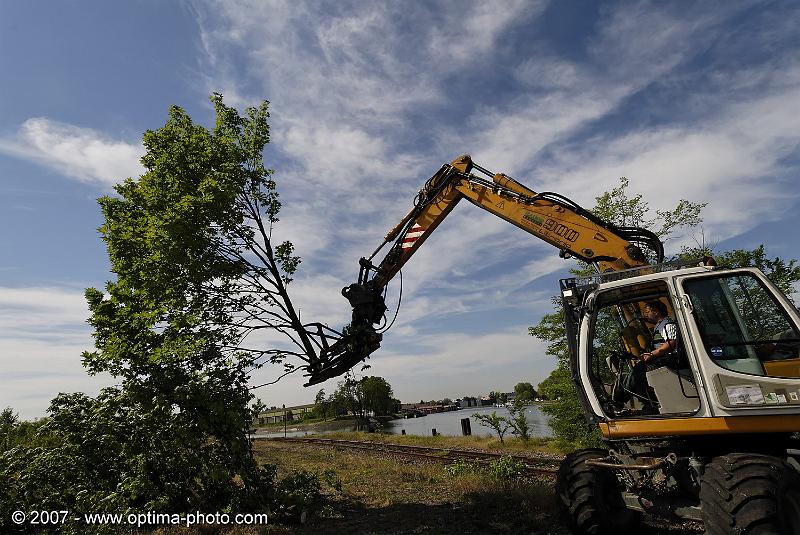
[743, 326]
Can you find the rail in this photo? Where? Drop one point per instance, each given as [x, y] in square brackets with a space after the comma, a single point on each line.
[533, 465]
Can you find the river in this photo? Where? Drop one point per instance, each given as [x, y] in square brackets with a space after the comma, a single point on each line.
[445, 423]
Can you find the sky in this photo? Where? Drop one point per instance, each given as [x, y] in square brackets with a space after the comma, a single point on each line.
[689, 100]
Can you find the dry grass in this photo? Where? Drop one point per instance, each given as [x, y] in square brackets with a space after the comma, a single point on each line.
[384, 494]
[368, 492]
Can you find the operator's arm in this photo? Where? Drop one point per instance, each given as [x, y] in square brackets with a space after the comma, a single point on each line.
[667, 347]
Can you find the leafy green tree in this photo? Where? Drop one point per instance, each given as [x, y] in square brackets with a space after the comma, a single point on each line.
[783, 273]
[190, 243]
[377, 395]
[499, 424]
[524, 391]
[368, 394]
[349, 395]
[518, 422]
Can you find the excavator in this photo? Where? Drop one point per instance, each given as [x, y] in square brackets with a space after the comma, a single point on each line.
[710, 437]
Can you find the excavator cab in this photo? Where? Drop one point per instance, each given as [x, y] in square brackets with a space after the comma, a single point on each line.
[737, 345]
[710, 435]
[618, 335]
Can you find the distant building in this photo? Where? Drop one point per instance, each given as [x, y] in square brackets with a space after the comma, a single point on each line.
[467, 402]
[297, 412]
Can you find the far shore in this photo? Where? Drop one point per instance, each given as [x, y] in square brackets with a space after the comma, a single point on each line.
[321, 425]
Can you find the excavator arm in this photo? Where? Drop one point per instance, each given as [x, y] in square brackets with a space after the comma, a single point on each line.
[548, 216]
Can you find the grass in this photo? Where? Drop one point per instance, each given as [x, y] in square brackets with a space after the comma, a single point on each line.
[381, 494]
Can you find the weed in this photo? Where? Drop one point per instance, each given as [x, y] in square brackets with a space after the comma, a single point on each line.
[506, 468]
[460, 468]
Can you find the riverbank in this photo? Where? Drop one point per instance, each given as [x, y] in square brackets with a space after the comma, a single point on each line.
[311, 426]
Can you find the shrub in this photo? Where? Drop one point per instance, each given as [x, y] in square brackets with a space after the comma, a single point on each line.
[506, 467]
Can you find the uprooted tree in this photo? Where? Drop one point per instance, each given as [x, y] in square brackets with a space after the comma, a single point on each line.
[197, 274]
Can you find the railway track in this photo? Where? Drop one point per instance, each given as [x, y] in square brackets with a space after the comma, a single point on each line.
[533, 465]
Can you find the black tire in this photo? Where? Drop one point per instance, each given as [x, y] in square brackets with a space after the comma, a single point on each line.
[750, 494]
[591, 496]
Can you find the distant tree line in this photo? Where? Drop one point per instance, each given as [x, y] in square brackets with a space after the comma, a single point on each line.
[359, 397]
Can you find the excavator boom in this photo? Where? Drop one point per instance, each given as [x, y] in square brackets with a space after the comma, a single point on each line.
[548, 216]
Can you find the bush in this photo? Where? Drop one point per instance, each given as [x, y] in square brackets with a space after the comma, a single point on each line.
[295, 494]
[117, 454]
[460, 468]
[506, 467]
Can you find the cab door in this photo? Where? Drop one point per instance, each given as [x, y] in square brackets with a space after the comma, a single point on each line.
[746, 336]
[616, 334]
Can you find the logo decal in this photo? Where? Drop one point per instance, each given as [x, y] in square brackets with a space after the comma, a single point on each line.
[533, 218]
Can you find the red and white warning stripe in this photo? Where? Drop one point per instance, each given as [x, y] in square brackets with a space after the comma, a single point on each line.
[413, 235]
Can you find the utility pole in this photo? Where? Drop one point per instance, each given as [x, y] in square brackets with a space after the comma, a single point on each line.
[284, 420]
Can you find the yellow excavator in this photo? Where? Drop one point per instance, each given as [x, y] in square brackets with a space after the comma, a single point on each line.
[707, 434]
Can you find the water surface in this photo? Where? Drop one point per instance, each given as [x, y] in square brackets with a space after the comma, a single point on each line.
[445, 423]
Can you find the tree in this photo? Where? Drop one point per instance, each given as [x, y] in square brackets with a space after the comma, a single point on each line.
[518, 422]
[8, 421]
[377, 395]
[618, 207]
[368, 394]
[525, 391]
[190, 243]
[348, 394]
[493, 421]
[784, 274]
[322, 405]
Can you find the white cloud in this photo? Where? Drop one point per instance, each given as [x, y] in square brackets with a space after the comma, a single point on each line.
[735, 161]
[80, 153]
[347, 85]
[634, 46]
[43, 332]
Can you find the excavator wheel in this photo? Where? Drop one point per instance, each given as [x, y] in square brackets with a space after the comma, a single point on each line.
[750, 494]
[591, 496]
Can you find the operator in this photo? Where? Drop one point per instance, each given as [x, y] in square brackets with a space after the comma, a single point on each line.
[665, 335]
[663, 352]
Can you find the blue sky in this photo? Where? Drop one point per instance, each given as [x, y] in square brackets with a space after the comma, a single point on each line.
[688, 100]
